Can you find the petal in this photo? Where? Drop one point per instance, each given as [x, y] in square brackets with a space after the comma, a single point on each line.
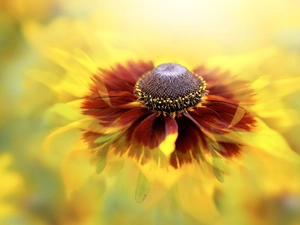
[101, 158]
[132, 71]
[187, 135]
[142, 188]
[217, 164]
[229, 149]
[188, 144]
[93, 103]
[227, 144]
[144, 132]
[132, 115]
[76, 169]
[118, 99]
[271, 142]
[218, 116]
[114, 167]
[153, 130]
[78, 65]
[271, 89]
[68, 127]
[167, 146]
[123, 78]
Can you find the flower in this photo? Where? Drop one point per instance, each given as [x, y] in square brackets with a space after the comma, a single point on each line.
[166, 109]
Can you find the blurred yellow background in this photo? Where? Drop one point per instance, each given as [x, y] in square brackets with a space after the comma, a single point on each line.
[31, 187]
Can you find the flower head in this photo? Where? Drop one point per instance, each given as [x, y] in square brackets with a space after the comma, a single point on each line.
[167, 109]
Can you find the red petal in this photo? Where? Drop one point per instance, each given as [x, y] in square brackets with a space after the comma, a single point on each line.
[229, 149]
[132, 72]
[218, 117]
[188, 135]
[154, 129]
[133, 115]
[171, 126]
[90, 137]
[123, 78]
[217, 98]
[144, 131]
[118, 99]
[92, 104]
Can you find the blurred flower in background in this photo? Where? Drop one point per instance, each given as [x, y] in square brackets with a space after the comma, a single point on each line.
[255, 40]
[10, 188]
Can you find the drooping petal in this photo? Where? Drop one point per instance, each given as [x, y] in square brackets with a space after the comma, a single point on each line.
[220, 116]
[167, 146]
[144, 132]
[270, 141]
[75, 169]
[101, 156]
[142, 188]
[155, 129]
[188, 142]
[68, 127]
[132, 115]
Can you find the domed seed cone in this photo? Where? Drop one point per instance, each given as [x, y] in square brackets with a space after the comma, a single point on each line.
[170, 88]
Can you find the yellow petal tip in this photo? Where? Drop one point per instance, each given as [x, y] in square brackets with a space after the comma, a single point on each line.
[168, 145]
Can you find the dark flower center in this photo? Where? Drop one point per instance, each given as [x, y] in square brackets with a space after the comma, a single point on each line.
[170, 88]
